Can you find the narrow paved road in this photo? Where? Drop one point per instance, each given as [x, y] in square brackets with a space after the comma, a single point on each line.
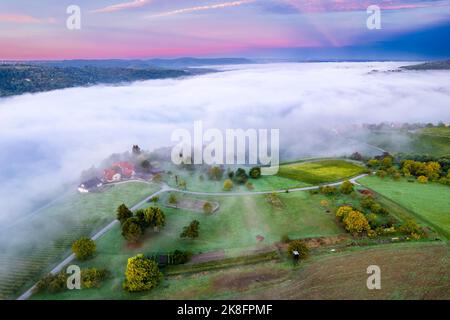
[166, 188]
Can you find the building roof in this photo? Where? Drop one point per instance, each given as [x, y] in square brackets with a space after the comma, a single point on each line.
[91, 183]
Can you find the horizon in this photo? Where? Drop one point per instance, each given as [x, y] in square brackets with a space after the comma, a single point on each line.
[255, 29]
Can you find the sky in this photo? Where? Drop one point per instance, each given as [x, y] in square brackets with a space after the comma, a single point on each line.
[303, 29]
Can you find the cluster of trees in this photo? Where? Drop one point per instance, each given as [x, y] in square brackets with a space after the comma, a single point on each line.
[428, 170]
[134, 225]
[54, 283]
[239, 176]
[345, 188]
[141, 274]
[191, 231]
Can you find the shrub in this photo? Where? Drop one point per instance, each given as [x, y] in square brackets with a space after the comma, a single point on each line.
[141, 274]
[240, 176]
[328, 190]
[255, 172]
[422, 179]
[83, 248]
[381, 173]
[356, 222]
[173, 199]
[191, 231]
[52, 283]
[228, 185]
[346, 187]
[343, 211]
[411, 227]
[249, 186]
[179, 257]
[92, 278]
[300, 247]
[207, 208]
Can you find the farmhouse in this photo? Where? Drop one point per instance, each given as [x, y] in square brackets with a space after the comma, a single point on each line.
[90, 185]
[118, 171]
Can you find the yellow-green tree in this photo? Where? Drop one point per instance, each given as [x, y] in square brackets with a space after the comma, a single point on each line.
[228, 185]
[141, 274]
[346, 187]
[83, 248]
[343, 211]
[422, 179]
[356, 222]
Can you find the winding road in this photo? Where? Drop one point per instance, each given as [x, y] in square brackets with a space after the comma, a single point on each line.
[165, 188]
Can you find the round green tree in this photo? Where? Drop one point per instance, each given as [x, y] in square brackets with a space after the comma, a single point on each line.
[255, 172]
[123, 213]
[346, 187]
[141, 274]
[132, 229]
[84, 248]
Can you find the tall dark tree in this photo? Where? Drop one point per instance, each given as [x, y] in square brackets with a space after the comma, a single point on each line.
[123, 213]
[191, 231]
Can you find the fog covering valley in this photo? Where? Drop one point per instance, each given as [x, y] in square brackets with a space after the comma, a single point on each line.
[47, 139]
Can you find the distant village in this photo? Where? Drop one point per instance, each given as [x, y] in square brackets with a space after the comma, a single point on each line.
[136, 168]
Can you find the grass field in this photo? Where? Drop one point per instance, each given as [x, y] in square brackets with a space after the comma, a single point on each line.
[430, 141]
[233, 230]
[317, 172]
[430, 202]
[408, 271]
[46, 238]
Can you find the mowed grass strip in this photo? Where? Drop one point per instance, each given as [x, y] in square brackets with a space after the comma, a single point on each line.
[323, 171]
[431, 202]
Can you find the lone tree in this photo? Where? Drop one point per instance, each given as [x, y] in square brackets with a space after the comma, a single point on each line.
[84, 248]
[132, 230]
[123, 213]
[215, 173]
[191, 231]
[346, 187]
[240, 176]
[173, 199]
[300, 247]
[228, 185]
[255, 172]
[141, 274]
[207, 208]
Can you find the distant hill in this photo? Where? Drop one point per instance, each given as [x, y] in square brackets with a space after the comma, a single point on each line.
[17, 79]
[178, 63]
[434, 65]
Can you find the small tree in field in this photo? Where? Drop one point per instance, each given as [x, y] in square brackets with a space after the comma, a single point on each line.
[191, 231]
[300, 247]
[173, 199]
[422, 179]
[346, 187]
[141, 274]
[207, 208]
[123, 213]
[255, 172]
[228, 185]
[84, 248]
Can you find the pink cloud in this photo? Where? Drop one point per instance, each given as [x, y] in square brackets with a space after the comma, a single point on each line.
[122, 6]
[21, 18]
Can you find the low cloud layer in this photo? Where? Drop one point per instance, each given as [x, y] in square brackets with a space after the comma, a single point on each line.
[47, 139]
